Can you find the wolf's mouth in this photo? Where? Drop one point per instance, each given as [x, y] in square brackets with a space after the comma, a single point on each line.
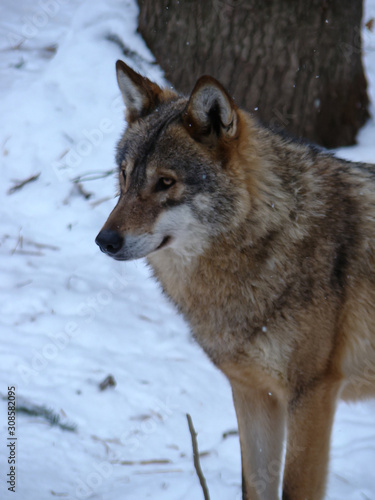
[164, 243]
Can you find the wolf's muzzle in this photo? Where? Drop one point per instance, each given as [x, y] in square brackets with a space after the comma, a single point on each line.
[110, 242]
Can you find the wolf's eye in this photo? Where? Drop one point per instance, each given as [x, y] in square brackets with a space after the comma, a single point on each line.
[164, 183]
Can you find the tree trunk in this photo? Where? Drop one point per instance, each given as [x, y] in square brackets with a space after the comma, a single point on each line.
[295, 64]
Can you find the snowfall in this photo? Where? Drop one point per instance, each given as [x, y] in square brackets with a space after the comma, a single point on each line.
[104, 369]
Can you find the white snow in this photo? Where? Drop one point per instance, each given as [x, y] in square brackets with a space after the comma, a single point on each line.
[70, 316]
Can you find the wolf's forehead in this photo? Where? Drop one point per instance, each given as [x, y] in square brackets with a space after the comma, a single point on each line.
[143, 139]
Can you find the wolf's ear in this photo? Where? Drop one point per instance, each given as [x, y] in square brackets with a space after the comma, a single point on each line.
[140, 95]
[210, 112]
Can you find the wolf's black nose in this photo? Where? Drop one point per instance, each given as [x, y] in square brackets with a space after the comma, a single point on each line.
[109, 241]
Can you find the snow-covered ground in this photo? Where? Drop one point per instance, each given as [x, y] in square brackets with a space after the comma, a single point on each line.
[70, 316]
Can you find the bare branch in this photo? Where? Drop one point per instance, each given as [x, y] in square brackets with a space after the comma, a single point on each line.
[157, 461]
[197, 464]
[21, 184]
[93, 176]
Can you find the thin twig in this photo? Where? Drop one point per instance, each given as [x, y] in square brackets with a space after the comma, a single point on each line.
[101, 200]
[28, 252]
[81, 190]
[158, 461]
[161, 471]
[19, 248]
[21, 184]
[40, 245]
[19, 243]
[128, 52]
[93, 176]
[233, 432]
[197, 464]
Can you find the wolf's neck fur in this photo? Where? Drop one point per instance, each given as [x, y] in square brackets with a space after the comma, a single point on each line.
[269, 213]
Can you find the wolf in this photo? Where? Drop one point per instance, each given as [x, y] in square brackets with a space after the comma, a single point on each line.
[267, 247]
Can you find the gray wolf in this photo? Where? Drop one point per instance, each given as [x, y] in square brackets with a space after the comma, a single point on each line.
[267, 247]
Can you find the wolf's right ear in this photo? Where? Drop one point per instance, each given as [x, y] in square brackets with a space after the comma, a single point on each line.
[140, 95]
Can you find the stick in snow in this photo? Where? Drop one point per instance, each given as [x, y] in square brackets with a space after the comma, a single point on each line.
[20, 184]
[197, 464]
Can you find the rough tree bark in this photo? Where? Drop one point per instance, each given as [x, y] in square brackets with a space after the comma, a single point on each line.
[296, 64]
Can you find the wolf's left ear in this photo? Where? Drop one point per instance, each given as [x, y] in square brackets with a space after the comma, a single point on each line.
[211, 112]
[140, 95]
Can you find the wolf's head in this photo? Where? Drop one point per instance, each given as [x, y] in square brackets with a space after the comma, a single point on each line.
[179, 183]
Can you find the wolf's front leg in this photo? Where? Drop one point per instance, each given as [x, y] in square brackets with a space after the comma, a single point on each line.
[310, 419]
[261, 419]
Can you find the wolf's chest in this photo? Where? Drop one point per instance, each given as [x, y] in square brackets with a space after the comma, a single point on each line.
[225, 314]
